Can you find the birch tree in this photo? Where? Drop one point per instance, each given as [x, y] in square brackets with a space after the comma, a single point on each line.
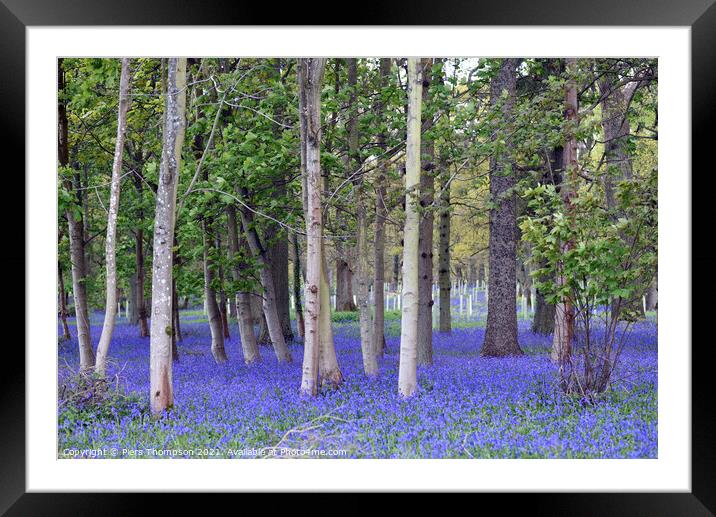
[110, 311]
[407, 371]
[310, 75]
[160, 348]
[425, 240]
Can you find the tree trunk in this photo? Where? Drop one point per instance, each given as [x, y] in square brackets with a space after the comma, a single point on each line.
[407, 370]
[501, 330]
[132, 314]
[425, 241]
[344, 284]
[140, 300]
[212, 308]
[78, 260]
[223, 305]
[278, 258]
[310, 72]
[296, 259]
[62, 302]
[273, 321]
[160, 365]
[110, 311]
[328, 361]
[444, 279]
[249, 347]
[381, 212]
[564, 310]
[652, 296]
[396, 272]
[176, 329]
[543, 319]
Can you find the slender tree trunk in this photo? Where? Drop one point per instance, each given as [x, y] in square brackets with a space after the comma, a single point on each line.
[110, 311]
[237, 251]
[176, 330]
[444, 280]
[501, 330]
[381, 212]
[139, 300]
[296, 258]
[160, 366]
[310, 72]
[249, 346]
[214, 313]
[564, 310]
[396, 272]
[222, 294]
[273, 321]
[425, 242]
[62, 302]
[652, 296]
[78, 260]
[407, 371]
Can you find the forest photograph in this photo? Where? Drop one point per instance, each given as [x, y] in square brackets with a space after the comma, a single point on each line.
[357, 257]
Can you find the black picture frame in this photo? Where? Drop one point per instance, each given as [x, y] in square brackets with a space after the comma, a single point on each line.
[700, 15]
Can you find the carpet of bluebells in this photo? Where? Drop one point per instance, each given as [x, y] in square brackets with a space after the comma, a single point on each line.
[467, 406]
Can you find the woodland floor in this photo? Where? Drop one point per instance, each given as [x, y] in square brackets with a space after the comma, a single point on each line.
[467, 406]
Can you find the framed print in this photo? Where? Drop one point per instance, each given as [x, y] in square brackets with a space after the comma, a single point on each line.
[293, 243]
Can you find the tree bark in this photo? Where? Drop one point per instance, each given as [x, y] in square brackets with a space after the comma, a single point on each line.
[249, 346]
[78, 260]
[444, 280]
[344, 283]
[223, 304]
[278, 258]
[652, 296]
[543, 319]
[310, 72]
[425, 240]
[160, 366]
[396, 272]
[501, 330]
[296, 259]
[407, 370]
[330, 372]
